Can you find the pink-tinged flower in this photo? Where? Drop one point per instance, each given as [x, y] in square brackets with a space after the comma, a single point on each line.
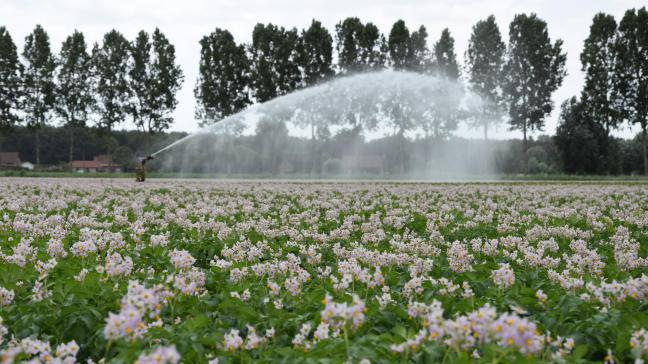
[6, 296]
[161, 355]
[541, 296]
[181, 259]
[252, 340]
[459, 259]
[233, 341]
[504, 277]
[83, 248]
[189, 282]
[39, 352]
[322, 331]
[301, 339]
[118, 266]
[639, 344]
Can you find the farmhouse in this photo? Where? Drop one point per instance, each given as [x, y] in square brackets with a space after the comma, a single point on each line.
[100, 163]
[9, 160]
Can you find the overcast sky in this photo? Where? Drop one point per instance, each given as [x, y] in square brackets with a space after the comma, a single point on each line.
[185, 21]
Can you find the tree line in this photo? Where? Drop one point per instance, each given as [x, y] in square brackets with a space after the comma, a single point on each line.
[514, 79]
[103, 86]
[519, 78]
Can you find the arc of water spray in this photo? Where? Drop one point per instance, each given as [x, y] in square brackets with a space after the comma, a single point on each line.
[224, 120]
[363, 83]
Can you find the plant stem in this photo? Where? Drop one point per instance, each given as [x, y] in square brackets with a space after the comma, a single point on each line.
[445, 356]
[346, 341]
[107, 349]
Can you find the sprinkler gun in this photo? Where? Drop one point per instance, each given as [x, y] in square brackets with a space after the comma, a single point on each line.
[147, 158]
[140, 171]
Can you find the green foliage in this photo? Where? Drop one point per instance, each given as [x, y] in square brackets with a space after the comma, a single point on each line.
[445, 60]
[534, 69]
[38, 78]
[111, 65]
[316, 54]
[485, 62]
[208, 221]
[631, 73]
[360, 47]
[399, 45]
[580, 139]
[222, 88]
[10, 81]
[599, 62]
[154, 81]
[75, 82]
[419, 54]
[38, 82]
[274, 55]
[438, 121]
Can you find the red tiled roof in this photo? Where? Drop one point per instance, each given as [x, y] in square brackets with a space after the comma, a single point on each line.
[99, 162]
[10, 158]
[86, 164]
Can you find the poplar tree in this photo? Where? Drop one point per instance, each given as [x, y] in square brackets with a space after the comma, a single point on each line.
[274, 55]
[140, 80]
[484, 63]
[155, 79]
[75, 85]
[535, 68]
[442, 115]
[316, 63]
[360, 47]
[630, 83]
[38, 83]
[419, 54]
[222, 88]
[169, 78]
[445, 59]
[578, 139]
[347, 35]
[10, 81]
[111, 66]
[399, 45]
[316, 54]
[598, 59]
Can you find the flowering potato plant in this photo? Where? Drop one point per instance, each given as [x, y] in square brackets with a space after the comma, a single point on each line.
[239, 272]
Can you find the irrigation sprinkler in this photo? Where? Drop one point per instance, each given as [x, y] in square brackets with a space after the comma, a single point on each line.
[140, 171]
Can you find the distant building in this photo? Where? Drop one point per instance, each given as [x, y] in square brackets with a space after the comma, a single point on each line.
[9, 160]
[100, 163]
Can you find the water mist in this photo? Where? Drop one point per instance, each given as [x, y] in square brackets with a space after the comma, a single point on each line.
[378, 125]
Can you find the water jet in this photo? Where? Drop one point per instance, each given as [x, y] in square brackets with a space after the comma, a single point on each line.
[384, 124]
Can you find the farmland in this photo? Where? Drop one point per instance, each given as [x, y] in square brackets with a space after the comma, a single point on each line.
[236, 272]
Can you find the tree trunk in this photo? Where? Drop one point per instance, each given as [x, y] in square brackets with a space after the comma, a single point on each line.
[37, 147]
[484, 122]
[71, 145]
[312, 158]
[644, 148]
[401, 152]
[524, 137]
[525, 162]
